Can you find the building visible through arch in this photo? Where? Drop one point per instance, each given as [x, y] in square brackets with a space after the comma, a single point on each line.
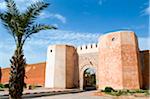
[116, 59]
[89, 79]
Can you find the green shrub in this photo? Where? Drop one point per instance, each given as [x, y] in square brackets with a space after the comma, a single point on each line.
[2, 86]
[140, 91]
[6, 85]
[108, 89]
[147, 93]
[113, 92]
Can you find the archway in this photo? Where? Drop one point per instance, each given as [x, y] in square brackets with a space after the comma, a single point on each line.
[89, 79]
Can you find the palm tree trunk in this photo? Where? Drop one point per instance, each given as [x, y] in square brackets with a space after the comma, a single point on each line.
[17, 73]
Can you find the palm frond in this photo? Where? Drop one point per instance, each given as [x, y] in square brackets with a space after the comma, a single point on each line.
[12, 8]
[32, 12]
[12, 23]
[6, 21]
[36, 28]
[13, 17]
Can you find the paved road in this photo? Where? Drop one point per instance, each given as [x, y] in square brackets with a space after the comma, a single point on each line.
[83, 95]
[87, 95]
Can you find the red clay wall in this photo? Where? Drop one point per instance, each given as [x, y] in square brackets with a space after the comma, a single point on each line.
[4, 75]
[118, 61]
[145, 60]
[35, 74]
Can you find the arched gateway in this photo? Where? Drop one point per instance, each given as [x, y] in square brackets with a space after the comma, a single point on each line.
[89, 79]
[115, 60]
[88, 59]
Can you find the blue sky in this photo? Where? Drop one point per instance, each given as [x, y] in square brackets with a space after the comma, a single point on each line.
[79, 22]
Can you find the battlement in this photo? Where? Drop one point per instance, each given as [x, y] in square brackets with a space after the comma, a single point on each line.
[90, 48]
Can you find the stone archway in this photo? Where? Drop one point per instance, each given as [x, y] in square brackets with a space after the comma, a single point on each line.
[82, 75]
[89, 79]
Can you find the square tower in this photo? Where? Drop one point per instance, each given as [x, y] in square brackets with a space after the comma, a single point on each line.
[60, 67]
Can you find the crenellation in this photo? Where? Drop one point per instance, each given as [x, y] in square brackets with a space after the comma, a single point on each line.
[89, 48]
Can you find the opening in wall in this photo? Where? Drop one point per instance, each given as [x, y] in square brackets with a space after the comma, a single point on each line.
[96, 45]
[85, 47]
[113, 39]
[91, 46]
[51, 51]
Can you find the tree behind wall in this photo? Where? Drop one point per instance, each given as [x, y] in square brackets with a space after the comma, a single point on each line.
[21, 26]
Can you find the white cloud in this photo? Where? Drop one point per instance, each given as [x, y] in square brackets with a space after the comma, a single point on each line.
[144, 43]
[22, 4]
[147, 11]
[64, 37]
[45, 15]
[53, 15]
[100, 2]
[60, 17]
[56, 25]
[2, 5]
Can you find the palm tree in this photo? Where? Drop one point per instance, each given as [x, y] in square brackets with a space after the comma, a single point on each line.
[21, 26]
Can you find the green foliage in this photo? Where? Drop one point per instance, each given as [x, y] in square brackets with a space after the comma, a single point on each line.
[108, 89]
[6, 85]
[111, 91]
[2, 86]
[118, 93]
[147, 93]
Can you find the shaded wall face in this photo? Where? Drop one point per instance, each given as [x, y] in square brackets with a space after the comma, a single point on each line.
[130, 61]
[35, 74]
[145, 60]
[72, 72]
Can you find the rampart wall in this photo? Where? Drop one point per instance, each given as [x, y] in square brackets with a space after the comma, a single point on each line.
[145, 61]
[35, 74]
